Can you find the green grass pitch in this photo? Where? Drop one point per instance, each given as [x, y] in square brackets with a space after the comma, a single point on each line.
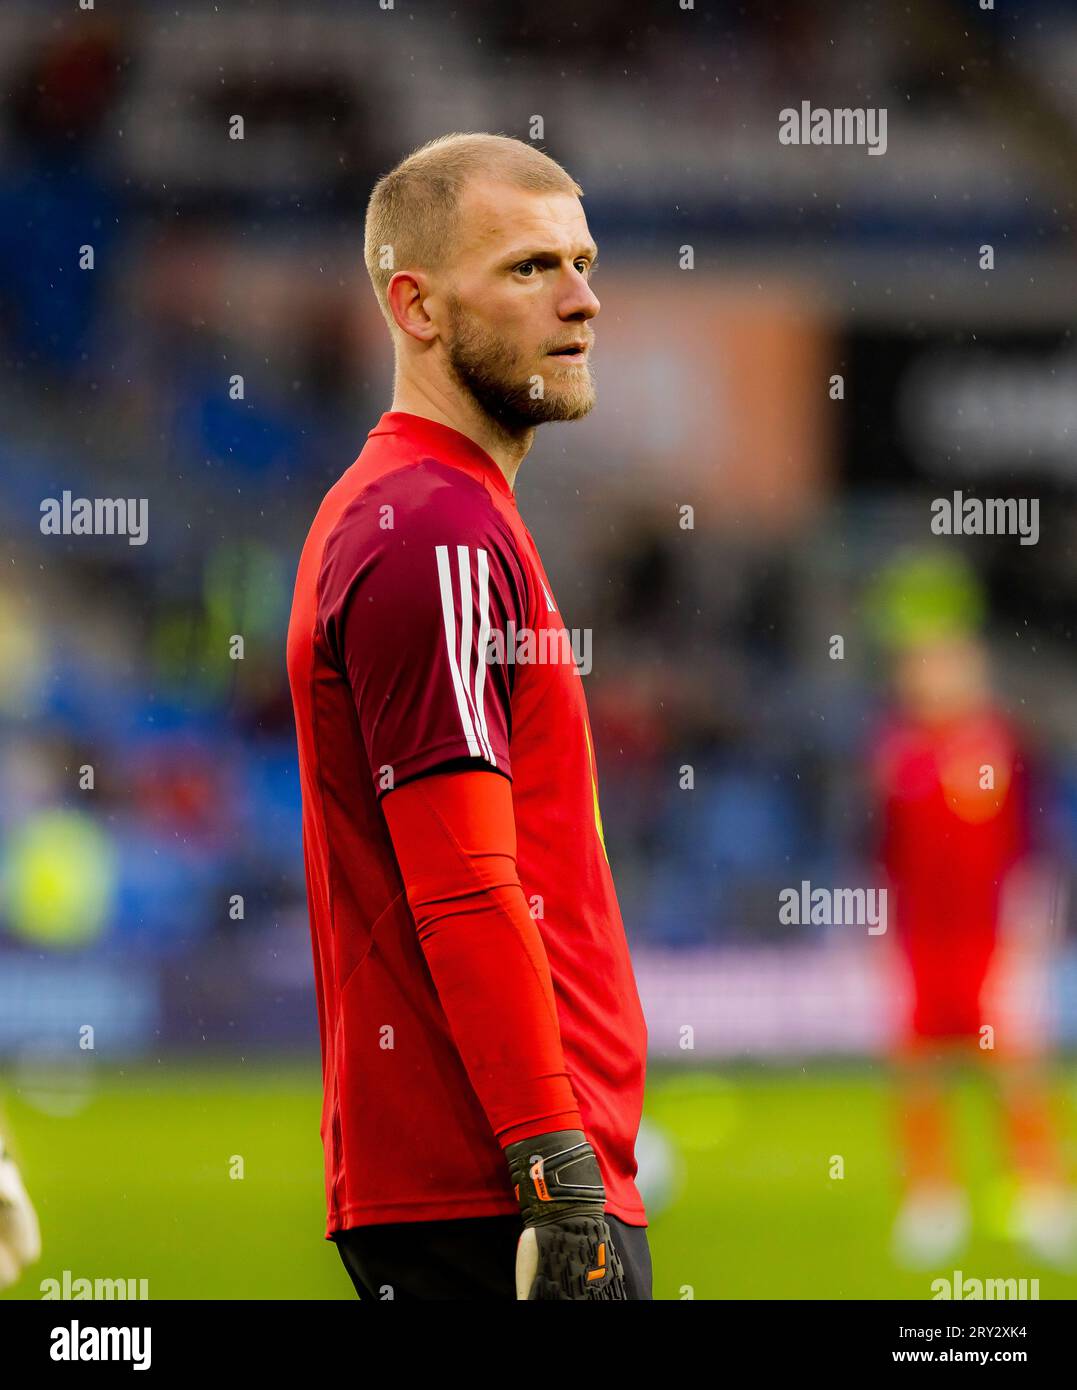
[135, 1183]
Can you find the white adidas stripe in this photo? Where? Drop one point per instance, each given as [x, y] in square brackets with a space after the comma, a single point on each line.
[484, 637]
[463, 560]
[469, 701]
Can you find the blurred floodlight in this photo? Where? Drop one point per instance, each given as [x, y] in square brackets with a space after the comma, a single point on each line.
[60, 879]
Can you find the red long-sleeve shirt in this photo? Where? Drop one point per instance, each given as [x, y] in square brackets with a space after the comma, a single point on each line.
[437, 1042]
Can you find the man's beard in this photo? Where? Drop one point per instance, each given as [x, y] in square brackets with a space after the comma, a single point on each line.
[491, 371]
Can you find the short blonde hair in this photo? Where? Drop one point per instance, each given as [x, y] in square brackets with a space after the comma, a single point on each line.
[414, 209]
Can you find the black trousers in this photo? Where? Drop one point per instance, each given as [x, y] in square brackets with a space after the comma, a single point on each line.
[473, 1258]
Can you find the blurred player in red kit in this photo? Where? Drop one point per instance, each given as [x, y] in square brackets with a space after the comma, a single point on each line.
[953, 793]
[483, 1044]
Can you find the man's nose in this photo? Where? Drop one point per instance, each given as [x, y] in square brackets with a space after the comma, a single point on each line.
[579, 300]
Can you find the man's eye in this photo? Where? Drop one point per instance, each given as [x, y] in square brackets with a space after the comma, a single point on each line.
[585, 267]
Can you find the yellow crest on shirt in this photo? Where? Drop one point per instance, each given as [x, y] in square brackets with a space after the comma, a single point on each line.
[594, 789]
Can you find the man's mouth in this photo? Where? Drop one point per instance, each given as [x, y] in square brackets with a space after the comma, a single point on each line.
[573, 351]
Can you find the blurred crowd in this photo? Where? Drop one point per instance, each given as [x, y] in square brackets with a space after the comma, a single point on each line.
[223, 358]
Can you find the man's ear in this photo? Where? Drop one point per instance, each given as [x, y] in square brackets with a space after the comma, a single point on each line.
[406, 296]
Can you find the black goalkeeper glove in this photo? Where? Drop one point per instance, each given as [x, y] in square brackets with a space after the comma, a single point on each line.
[565, 1250]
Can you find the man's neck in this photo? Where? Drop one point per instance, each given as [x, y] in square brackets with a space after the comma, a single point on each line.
[507, 450]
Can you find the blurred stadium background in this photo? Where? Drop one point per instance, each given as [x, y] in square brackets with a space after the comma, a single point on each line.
[215, 258]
